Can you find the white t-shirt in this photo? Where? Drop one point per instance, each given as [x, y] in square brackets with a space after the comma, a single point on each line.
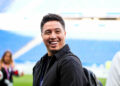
[113, 78]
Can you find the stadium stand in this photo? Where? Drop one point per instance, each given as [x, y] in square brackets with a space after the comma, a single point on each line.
[89, 51]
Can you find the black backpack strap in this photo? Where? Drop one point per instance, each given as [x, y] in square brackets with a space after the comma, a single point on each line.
[92, 79]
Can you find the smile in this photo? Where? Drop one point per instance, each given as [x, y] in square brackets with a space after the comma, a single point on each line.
[53, 42]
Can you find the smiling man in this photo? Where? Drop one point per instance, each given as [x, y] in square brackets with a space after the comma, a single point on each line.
[59, 66]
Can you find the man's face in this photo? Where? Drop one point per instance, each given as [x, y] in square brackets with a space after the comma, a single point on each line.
[53, 35]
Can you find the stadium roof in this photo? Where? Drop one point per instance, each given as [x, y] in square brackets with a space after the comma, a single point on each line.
[83, 8]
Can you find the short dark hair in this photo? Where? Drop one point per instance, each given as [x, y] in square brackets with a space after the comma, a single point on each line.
[52, 17]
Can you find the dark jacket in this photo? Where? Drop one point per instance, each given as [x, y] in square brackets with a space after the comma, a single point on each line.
[2, 82]
[64, 69]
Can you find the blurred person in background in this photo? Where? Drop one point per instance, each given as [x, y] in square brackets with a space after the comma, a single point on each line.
[113, 78]
[7, 70]
[59, 66]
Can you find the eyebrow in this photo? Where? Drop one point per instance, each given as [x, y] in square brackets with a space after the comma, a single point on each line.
[57, 28]
[54, 29]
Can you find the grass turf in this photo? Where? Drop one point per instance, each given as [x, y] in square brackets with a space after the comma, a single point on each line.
[103, 81]
[26, 80]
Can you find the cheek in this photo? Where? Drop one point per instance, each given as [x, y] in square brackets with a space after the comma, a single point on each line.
[45, 38]
[5, 59]
[46, 42]
[62, 37]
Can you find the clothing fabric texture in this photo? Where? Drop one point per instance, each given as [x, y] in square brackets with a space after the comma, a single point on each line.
[5, 79]
[113, 78]
[63, 69]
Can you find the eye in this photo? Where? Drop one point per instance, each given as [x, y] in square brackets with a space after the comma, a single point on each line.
[47, 32]
[58, 31]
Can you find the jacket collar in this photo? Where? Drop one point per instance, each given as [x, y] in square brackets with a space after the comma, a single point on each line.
[59, 54]
[62, 52]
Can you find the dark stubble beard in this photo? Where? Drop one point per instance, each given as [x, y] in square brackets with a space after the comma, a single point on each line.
[54, 51]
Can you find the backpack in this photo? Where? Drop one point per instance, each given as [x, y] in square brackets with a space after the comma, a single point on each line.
[92, 79]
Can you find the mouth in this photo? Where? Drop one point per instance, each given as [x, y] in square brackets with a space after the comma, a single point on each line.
[53, 44]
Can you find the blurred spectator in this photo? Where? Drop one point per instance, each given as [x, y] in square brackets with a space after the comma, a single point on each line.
[113, 78]
[7, 69]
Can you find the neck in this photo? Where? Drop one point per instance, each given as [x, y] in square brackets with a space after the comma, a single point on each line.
[7, 64]
[51, 53]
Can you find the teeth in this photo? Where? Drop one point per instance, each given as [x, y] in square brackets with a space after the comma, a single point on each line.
[53, 42]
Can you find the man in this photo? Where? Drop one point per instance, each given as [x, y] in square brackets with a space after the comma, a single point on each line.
[113, 78]
[59, 67]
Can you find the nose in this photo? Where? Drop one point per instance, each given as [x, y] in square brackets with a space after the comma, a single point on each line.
[53, 35]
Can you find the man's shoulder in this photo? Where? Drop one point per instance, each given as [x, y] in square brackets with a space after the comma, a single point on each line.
[40, 61]
[70, 57]
[37, 64]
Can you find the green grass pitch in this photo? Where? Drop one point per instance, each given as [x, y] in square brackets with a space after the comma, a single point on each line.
[27, 80]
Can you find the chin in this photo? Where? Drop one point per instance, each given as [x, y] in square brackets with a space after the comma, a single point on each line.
[54, 49]
[57, 48]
